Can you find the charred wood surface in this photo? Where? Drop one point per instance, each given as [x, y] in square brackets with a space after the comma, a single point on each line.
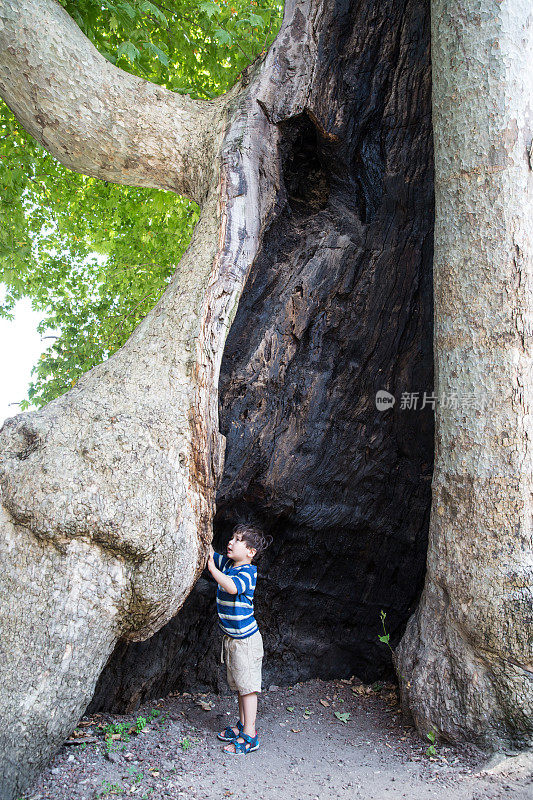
[337, 305]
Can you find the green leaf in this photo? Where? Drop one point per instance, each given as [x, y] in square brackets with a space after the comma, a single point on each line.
[222, 36]
[157, 52]
[149, 8]
[343, 717]
[127, 8]
[129, 50]
[384, 638]
[209, 8]
[257, 21]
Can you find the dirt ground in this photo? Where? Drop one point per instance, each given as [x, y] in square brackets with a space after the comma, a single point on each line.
[169, 749]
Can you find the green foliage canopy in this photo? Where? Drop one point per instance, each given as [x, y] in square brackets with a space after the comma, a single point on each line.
[93, 256]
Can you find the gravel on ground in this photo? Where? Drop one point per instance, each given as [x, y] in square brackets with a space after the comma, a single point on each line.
[318, 739]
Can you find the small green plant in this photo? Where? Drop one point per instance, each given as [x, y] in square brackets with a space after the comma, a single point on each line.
[385, 638]
[290, 708]
[140, 724]
[123, 729]
[187, 742]
[113, 730]
[108, 788]
[155, 712]
[432, 750]
[135, 774]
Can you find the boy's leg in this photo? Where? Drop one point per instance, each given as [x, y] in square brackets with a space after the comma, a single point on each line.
[241, 711]
[241, 714]
[248, 703]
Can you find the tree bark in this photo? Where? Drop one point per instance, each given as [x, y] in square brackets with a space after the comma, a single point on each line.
[466, 660]
[338, 305]
[108, 493]
[96, 118]
[114, 482]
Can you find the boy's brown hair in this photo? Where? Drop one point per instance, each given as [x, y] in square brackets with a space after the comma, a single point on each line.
[254, 538]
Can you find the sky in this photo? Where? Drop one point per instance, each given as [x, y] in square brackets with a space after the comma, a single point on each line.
[20, 347]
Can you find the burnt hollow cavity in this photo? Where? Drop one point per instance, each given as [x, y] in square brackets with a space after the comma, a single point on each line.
[337, 306]
[306, 180]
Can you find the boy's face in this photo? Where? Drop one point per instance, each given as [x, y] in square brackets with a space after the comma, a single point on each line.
[238, 550]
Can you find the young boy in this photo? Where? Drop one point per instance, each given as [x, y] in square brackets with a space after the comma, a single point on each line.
[242, 643]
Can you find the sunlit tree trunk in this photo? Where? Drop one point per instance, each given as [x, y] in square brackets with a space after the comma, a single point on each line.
[466, 660]
[108, 493]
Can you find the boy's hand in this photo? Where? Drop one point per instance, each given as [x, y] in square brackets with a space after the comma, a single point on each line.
[210, 560]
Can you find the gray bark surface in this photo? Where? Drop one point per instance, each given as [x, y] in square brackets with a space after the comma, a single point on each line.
[115, 481]
[108, 493]
[96, 118]
[466, 660]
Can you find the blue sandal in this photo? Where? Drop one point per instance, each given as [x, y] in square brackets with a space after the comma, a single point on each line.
[250, 744]
[229, 735]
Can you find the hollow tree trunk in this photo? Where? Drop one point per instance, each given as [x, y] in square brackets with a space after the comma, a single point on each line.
[338, 305]
[108, 492]
[466, 660]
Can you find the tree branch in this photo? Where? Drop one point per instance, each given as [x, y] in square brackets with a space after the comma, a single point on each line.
[95, 118]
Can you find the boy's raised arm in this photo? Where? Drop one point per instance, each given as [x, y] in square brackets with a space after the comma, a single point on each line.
[224, 581]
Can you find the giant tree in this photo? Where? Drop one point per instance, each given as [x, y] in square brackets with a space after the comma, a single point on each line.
[466, 660]
[108, 491]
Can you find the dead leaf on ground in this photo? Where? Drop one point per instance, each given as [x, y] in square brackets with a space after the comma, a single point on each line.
[204, 705]
[296, 730]
[343, 717]
[324, 703]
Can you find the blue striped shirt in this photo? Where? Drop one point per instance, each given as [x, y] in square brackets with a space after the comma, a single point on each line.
[236, 611]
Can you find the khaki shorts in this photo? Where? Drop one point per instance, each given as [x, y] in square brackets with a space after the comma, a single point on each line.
[243, 659]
